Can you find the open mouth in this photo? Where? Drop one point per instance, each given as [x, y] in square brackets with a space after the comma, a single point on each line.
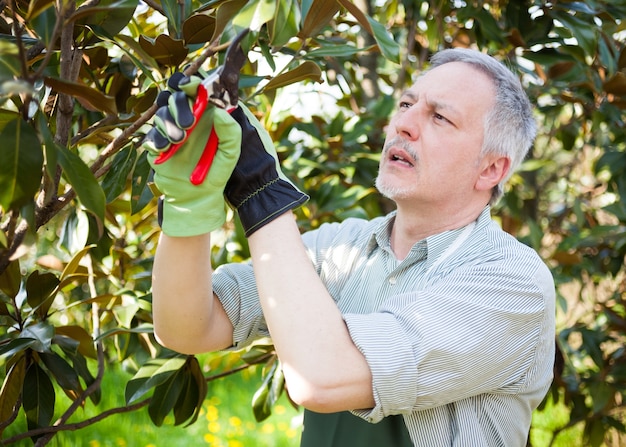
[402, 158]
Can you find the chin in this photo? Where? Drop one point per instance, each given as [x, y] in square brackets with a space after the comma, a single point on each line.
[392, 192]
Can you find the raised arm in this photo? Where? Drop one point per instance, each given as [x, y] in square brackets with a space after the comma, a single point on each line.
[187, 316]
[324, 370]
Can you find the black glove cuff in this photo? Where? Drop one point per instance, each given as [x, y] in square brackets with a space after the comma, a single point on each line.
[267, 203]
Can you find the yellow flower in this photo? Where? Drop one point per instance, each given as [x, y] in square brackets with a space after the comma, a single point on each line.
[234, 421]
[214, 427]
[267, 428]
[212, 413]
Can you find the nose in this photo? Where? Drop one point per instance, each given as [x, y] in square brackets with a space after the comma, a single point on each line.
[406, 122]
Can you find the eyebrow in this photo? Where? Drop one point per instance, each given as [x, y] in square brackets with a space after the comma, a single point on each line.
[433, 103]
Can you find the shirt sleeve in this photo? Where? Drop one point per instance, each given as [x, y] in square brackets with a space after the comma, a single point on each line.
[236, 289]
[479, 330]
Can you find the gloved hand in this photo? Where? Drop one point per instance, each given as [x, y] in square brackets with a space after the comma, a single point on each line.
[174, 114]
[188, 209]
[258, 189]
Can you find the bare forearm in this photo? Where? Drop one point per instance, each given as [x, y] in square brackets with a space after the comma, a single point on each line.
[187, 317]
[324, 369]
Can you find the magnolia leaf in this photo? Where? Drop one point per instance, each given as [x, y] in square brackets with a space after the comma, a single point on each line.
[38, 397]
[152, 374]
[141, 194]
[16, 345]
[11, 389]
[255, 14]
[165, 396]
[306, 71]
[22, 160]
[110, 15]
[286, 23]
[64, 374]
[39, 287]
[185, 406]
[42, 333]
[83, 181]
[115, 180]
[91, 98]
[388, 47]
[225, 13]
[317, 14]
[80, 335]
[11, 279]
[198, 28]
[165, 50]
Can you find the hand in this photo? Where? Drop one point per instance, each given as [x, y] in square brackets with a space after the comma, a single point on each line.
[258, 189]
[175, 113]
[188, 209]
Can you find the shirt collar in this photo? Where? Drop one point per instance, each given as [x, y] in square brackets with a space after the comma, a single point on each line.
[433, 245]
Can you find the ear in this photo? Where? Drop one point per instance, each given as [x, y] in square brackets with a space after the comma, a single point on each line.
[494, 171]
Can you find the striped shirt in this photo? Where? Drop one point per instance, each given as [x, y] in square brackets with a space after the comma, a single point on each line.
[459, 335]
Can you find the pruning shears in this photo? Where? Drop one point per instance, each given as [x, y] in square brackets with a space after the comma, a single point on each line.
[220, 88]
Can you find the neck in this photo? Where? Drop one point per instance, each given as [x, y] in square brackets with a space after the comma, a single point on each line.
[413, 225]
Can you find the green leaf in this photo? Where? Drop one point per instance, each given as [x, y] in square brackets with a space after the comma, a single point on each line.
[269, 392]
[198, 28]
[78, 174]
[286, 23]
[11, 389]
[185, 406]
[16, 345]
[38, 397]
[44, 23]
[334, 51]
[583, 31]
[255, 14]
[306, 71]
[165, 50]
[173, 10]
[140, 192]
[64, 374]
[39, 286]
[80, 335]
[110, 15]
[388, 47]
[152, 374]
[90, 97]
[22, 159]
[165, 396]
[75, 231]
[200, 386]
[11, 279]
[79, 364]
[317, 14]
[42, 333]
[114, 182]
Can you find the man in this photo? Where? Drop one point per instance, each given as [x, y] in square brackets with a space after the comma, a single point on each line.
[426, 327]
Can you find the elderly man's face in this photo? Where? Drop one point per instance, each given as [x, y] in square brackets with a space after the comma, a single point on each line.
[433, 144]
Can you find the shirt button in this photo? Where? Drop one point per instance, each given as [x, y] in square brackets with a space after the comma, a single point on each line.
[393, 280]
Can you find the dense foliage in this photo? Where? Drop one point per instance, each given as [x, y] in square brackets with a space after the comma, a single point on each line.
[77, 218]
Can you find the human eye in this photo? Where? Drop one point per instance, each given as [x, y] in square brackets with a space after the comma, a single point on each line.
[440, 118]
[404, 104]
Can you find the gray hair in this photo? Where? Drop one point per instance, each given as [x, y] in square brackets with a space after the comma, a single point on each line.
[510, 128]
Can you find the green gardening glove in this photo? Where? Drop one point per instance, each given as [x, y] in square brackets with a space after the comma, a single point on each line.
[188, 209]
